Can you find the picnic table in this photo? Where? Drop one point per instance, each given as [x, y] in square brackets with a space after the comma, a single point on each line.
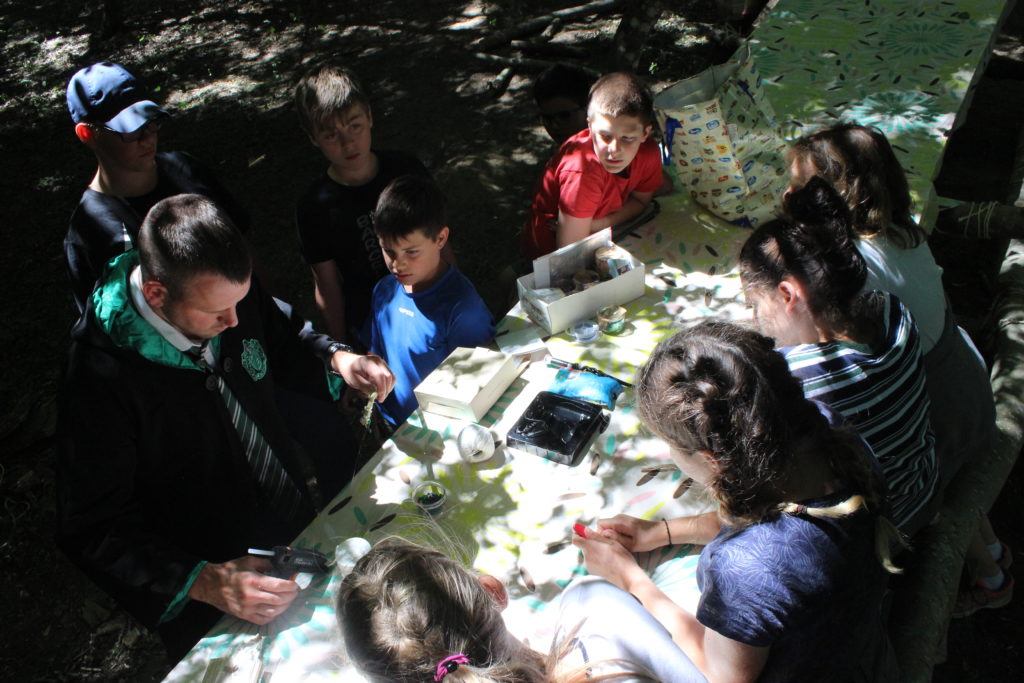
[894, 64]
[510, 516]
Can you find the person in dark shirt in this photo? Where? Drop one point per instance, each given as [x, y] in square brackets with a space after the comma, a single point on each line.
[174, 457]
[334, 216]
[117, 119]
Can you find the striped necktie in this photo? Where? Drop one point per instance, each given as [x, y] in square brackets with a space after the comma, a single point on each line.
[268, 470]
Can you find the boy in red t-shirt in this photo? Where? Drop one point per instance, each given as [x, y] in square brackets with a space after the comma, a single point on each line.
[602, 176]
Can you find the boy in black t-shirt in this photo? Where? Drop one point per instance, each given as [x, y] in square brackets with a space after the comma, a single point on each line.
[116, 118]
[333, 216]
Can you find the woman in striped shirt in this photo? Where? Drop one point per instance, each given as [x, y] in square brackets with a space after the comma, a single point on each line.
[859, 353]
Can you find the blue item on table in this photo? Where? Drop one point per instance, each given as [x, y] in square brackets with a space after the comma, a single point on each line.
[587, 386]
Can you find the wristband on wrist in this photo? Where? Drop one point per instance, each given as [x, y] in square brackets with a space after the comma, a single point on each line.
[668, 531]
[332, 349]
[338, 346]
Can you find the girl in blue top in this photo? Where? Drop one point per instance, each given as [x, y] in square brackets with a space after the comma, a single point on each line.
[791, 587]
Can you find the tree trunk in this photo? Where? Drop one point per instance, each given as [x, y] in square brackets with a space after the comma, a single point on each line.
[638, 18]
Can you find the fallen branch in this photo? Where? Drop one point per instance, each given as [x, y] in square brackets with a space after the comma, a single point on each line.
[551, 31]
[500, 82]
[554, 50]
[521, 62]
[538, 23]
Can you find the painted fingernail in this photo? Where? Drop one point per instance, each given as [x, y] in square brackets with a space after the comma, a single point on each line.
[579, 530]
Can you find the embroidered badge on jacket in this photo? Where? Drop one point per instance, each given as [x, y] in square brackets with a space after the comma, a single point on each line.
[253, 359]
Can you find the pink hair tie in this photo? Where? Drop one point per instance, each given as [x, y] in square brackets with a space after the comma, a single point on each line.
[448, 665]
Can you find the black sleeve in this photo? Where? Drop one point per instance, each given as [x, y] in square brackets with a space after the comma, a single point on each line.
[96, 234]
[298, 354]
[100, 523]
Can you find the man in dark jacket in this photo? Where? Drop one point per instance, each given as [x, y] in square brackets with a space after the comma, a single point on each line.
[174, 458]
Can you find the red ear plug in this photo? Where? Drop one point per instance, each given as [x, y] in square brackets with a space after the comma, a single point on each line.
[579, 530]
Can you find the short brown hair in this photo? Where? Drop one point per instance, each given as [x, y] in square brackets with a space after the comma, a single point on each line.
[324, 92]
[860, 163]
[407, 204]
[622, 94]
[187, 235]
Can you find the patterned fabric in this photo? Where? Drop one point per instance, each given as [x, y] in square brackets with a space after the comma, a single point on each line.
[881, 392]
[810, 589]
[273, 479]
[724, 141]
[904, 66]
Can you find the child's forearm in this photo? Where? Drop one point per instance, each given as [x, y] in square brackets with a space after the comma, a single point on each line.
[331, 303]
[697, 529]
[570, 229]
[686, 631]
[632, 208]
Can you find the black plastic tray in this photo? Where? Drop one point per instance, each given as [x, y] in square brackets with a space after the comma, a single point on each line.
[558, 428]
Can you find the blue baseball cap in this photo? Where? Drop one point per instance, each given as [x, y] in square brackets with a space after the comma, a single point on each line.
[106, 94]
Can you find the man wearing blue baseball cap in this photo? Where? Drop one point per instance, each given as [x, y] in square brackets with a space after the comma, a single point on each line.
[115, 117]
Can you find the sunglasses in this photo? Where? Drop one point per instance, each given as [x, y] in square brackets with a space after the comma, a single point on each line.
[150, 128]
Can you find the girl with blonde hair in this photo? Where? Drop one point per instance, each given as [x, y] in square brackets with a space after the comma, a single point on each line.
[409, 613]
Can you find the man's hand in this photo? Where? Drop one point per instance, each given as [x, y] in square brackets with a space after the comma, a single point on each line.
[634, 534]
[366, 374]
[608, 559]
[238, 588]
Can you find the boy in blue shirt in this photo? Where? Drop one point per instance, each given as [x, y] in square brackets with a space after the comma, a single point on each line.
[334, 216]
[425, 308]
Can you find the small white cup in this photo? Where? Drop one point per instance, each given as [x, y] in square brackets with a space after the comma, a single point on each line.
[476, 443]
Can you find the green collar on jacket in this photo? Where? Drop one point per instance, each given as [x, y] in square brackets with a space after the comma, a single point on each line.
[115, 314]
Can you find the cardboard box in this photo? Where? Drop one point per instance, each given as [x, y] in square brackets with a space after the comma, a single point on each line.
[562, 314]
[468, 382]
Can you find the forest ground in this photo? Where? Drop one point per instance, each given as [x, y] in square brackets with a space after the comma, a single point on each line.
[227, 68]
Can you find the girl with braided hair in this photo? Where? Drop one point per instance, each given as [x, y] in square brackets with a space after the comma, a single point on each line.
[858, 353]
[409, 613]
[792, 585]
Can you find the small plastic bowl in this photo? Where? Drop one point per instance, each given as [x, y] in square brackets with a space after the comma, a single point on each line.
[585, 331]
[430, 496]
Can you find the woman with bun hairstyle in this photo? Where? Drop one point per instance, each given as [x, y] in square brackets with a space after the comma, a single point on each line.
[858, 353]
